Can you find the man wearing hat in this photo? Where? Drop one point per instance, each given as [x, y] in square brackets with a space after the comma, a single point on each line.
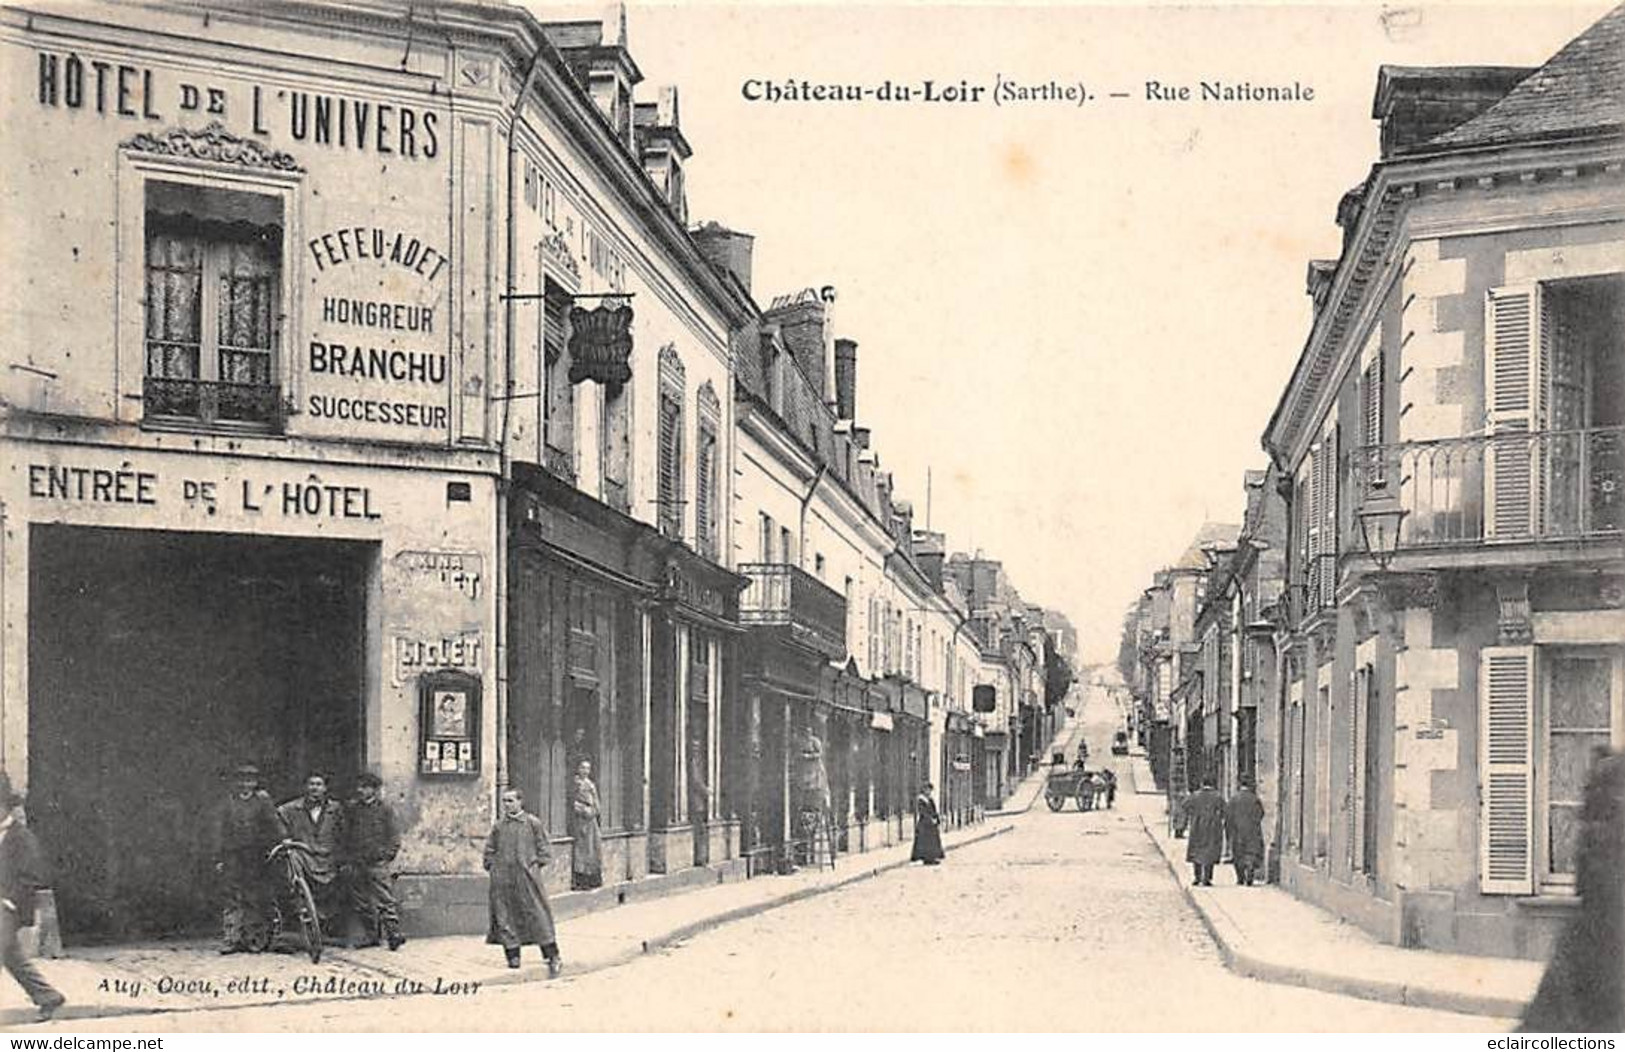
[371, 842]
[22, 874]
[246, 828]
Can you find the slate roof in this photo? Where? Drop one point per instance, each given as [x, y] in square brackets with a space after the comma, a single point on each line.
[1579, 89]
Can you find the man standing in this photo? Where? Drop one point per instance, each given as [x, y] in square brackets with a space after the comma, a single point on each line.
[245, 829]
[318, 823]
[586, 847]
[22, 874]
[371, 842]
[1244, 825]
[1204, 813]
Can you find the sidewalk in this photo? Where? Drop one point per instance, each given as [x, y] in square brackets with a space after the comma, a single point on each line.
[181, 977]
[1265, 933]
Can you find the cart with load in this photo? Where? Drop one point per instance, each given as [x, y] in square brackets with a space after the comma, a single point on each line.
[1065, 784]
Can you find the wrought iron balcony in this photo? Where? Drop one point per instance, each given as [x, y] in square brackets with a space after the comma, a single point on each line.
[257, 406]
[1506, 488]
[779, 594]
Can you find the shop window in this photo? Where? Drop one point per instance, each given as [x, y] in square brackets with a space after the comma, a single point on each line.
[213, 311]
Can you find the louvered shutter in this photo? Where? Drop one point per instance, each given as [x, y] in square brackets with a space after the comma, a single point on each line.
[1506, 688]
[1515, 353]
[1328, 528]
[1371, 413]
[704, 483]
[671, 466]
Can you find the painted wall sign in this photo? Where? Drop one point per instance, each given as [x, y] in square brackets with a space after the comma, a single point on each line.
[134, 92]
[461, 572]
[310, 498]
[415, 654]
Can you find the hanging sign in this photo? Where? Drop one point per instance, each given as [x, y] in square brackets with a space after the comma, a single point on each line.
[601, 344]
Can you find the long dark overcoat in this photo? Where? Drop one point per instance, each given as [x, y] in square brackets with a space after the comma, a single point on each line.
[927, 831]
[22, 871]
[1204, 838]
[1244, 825]
[515, 855]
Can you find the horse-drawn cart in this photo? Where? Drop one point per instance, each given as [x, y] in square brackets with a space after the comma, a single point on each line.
[1065, 784]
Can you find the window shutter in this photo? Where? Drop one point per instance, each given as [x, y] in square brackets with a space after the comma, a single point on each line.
[1514, 399]
[705, 472]
[671, 466]
[1372, 417]
[1506, 688]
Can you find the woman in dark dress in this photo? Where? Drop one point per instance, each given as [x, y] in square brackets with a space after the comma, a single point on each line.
[927, 829]
[515, 856]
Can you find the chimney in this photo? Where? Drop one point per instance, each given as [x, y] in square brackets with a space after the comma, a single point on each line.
[930, 549]
[1416, 103]
[846, 379]
[827, 294]
[725, 249]
[803, 318]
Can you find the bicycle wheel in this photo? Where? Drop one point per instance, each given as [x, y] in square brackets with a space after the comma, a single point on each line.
[310, 921]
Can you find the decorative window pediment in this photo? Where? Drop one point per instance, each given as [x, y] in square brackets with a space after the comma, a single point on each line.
[213, 143]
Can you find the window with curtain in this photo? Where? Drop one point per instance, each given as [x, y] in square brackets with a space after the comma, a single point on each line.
[213, 314]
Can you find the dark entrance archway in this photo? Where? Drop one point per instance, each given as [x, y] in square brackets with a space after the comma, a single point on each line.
[158, 661]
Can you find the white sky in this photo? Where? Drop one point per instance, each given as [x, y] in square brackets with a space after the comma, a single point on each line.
[1079, 318]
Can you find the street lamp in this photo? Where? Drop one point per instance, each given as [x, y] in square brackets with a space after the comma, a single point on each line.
[1380, 518]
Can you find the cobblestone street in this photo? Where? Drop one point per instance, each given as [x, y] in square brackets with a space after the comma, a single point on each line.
[1093, 935]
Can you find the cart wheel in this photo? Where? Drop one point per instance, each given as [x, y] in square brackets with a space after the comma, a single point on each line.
[1055, 802]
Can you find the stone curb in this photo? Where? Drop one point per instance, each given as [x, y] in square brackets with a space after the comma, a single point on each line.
[1232, 945]
[659, 941]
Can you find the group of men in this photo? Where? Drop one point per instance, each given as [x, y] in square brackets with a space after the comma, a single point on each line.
[1211, 820]
[349, 850]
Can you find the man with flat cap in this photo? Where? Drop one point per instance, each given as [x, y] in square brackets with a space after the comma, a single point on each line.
[246, 828]
[371, 842]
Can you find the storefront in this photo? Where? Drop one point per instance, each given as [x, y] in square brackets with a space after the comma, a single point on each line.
[180, 614]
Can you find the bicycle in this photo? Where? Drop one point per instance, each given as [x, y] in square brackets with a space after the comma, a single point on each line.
[294, 856]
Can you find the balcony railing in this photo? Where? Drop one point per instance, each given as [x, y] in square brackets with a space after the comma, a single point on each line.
[779, 594]
[1508, 487]
[212, 402]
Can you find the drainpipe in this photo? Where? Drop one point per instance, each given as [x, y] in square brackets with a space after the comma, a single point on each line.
[1282, 638]
[801, 541]
[509, 355]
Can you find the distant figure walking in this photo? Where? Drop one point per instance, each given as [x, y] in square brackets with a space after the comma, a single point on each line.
[586, 845]
[927, 829]
[1204, 844]
[1583, 989]
[1244, 825]
[515, 855]
[22, 875]
[1111, 786]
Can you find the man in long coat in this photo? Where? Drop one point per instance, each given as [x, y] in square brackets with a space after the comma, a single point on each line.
[586, 843]
[515, 856]
[22, 875]
[371, 841]
[318, 822]
[1244, 825]
[245, 830]
[1204, 843]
